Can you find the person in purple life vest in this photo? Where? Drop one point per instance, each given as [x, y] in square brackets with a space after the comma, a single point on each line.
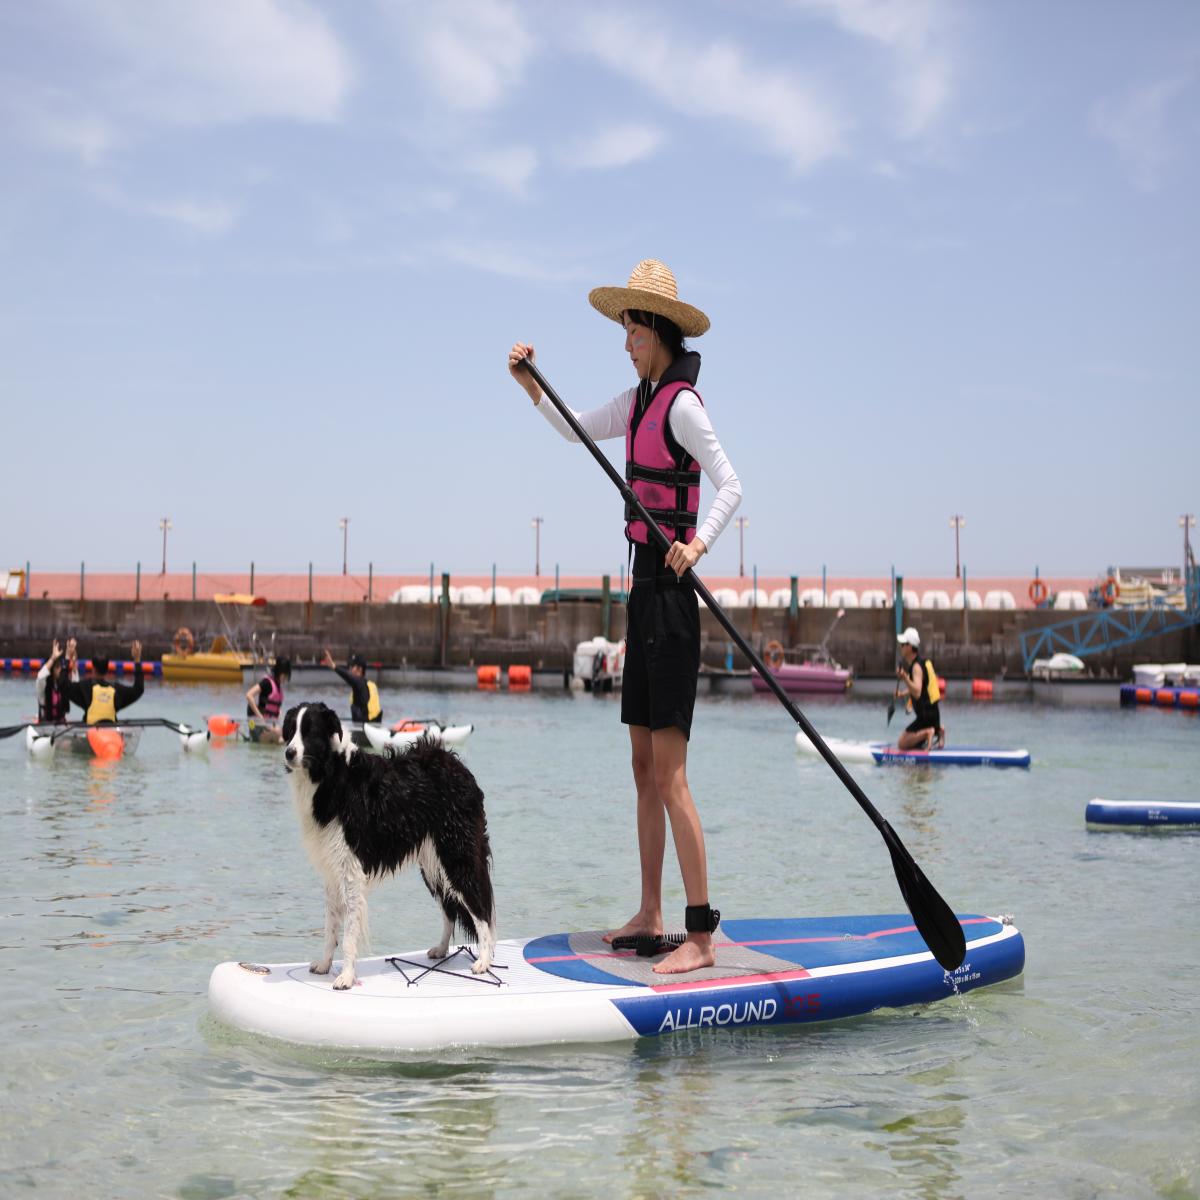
[264, 701]
[54, 684]
[669, 443]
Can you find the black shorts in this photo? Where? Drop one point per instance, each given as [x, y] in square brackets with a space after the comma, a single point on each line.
[662, 655]
[930, 720]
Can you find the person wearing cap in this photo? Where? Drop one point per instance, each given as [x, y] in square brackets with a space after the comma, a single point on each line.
[919, 686]
[669, 442]
[100, 698]
[264, 702]
[364, 695]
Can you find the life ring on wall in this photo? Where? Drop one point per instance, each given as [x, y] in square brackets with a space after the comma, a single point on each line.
[773, 655]
[183, 641]
[1111, 590]
[1038, 591]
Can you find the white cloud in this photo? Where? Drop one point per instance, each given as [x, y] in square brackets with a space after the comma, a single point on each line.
[209, 218]
[510, 262]
[473, 52]
[918, 34]
[786, 116]
[508, 168]
[85, 135]
[196, 62]
[1136, 125]
[619, 146]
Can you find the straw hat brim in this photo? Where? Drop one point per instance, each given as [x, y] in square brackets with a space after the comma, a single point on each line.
[613, 301]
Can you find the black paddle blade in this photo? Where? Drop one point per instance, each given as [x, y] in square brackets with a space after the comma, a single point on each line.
[891, 710]
[935, 921]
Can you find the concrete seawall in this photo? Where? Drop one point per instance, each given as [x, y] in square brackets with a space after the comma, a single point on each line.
[983, 643]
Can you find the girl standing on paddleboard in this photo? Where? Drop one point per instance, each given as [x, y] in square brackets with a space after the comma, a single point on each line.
[668, 441]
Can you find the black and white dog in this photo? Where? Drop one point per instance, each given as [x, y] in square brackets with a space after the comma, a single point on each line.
[364, 816]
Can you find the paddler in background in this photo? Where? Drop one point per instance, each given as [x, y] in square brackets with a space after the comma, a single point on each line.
[919, 685]
[264, 702]
[364, 695]
[101, 698]
[54, 681]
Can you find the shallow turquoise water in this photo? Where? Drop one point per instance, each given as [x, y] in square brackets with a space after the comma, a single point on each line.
[124, 883]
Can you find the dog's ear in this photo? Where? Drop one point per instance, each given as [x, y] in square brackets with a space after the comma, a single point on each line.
[289, 723]
[336, 738]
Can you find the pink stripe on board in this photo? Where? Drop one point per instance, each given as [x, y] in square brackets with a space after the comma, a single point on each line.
[840, 937]
[766, 977]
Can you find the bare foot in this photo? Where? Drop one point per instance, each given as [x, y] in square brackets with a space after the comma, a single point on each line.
[695, 953]
[643, 924]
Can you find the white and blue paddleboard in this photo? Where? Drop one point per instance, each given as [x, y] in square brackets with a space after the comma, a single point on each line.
[573, 987]
[890, 755]
[1142, 812]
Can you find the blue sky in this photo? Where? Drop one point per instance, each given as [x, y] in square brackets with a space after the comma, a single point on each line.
[260, 264]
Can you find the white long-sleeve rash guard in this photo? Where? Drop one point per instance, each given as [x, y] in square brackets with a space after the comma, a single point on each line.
[690, 427]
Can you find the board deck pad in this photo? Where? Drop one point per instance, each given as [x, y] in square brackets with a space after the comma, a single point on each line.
[573, 987]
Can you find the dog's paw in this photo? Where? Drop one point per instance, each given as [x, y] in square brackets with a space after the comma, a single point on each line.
[439, 951]
[344, 981]
[320, 968]
[481, 966]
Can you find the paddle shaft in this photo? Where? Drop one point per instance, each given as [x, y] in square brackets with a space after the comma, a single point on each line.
[934, 919]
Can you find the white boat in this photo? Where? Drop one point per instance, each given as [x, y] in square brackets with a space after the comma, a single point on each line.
[405, 733]
[599, 665]
[1057, 666]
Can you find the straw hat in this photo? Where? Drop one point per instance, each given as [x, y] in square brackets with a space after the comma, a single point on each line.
[652, 288]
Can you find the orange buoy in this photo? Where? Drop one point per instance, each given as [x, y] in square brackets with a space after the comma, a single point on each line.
[1038, 591]
[773, 655]
[106, 743]
[1111, 590]
[488, 677]
[1189, 699]
[982, 689]
[942, 685]
[520, 676]
[1165, 697]
[1145, 695]
[222, 725]
[183, 641]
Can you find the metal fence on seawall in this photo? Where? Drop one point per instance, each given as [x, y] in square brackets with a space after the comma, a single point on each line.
[502, 587]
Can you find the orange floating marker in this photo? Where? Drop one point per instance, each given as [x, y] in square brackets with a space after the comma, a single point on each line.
[982, 689]
[106, 743]
[520, 676]
[222, 725]
[488, 677]
[1189, 699]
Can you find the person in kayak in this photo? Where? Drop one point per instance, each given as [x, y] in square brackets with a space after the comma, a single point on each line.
[919, 685]
[669, 441]
[364, 695]
[101, 698]
[54, 681]
[264, 702]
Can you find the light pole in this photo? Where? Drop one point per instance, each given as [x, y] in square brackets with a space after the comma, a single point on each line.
[536, 523]
[956, 523]
[344, 526]
[741, 523]
[1187, 521]
[164, 525]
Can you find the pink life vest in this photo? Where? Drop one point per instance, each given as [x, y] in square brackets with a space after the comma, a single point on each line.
[661, 473]
[270, 705]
